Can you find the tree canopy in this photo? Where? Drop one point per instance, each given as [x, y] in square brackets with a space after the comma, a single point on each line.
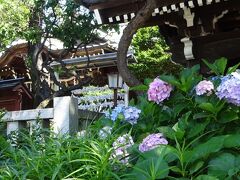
[152, 54]
[13, 20]
[36, 21]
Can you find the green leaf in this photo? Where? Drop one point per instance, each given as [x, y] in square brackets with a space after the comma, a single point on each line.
[152, 168]
[227, 116]
[167, 131]
[232, 69]
[207, 107]
[179, 133]
[183, 121]
[197, 128]
[176, 169]
[201, 115]
[196, 166]
[221, 165]
[179, 108]
[232, 141]
[211, 67]
[170, 79]
[206, 177]
[221, 65]
[139, 88]
[218, 67]
[147, 81]
[203, 150]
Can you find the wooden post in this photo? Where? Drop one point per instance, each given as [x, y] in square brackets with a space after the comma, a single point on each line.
[65, 118]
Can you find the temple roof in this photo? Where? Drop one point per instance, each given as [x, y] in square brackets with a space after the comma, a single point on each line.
[96, 61]
[10, 83]
[115, 11]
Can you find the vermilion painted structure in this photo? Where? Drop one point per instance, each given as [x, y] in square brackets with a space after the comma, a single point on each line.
[14, 95]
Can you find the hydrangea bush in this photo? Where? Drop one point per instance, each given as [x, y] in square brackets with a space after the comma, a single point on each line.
[186, 126]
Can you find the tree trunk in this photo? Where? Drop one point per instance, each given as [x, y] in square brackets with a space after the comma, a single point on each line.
[142, 16]
[39, 89]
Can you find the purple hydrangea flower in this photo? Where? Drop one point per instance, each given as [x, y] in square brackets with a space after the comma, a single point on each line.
[152, 141]
[159, 90]
[131, 114]
[204, 87]
[120, 147]
[229, 89]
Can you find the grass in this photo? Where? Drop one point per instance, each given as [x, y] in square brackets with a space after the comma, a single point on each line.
[57, 158]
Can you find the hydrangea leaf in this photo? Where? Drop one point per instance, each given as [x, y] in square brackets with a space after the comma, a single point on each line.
[207, 107]
[152, 168]
[227, 116]
[222, 165]
[206, 177]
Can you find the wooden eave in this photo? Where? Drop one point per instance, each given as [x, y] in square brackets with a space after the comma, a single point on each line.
[135, 4]
[112, 12]
[21, 49]
[21, 87]
[12, 52]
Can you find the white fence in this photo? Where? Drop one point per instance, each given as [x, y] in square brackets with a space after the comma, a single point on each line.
[63, 116]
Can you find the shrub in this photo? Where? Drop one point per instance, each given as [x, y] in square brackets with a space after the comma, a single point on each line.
[192, 133]
[198, 126]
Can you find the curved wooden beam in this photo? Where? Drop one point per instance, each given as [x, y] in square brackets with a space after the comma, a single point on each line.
[141, 17]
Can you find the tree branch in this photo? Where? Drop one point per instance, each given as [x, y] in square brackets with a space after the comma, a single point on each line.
[142, 16]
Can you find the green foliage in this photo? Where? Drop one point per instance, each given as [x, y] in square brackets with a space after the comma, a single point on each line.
[149, 43]
[219, 67]
[13, 20]
[202, 132]
[60, 158]
[152, 58]
[33, 20]
[69, 21]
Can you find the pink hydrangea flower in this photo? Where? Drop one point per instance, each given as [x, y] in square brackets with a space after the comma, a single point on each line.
[152, 141]
[159, 90]
[204, 87]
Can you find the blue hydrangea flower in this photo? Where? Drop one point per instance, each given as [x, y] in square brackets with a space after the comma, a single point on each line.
[229, 89]
[115, 112]
[131, 114]
[107, 114]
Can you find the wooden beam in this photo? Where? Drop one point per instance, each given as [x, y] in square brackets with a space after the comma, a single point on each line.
[110, 4]
[122, 3]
